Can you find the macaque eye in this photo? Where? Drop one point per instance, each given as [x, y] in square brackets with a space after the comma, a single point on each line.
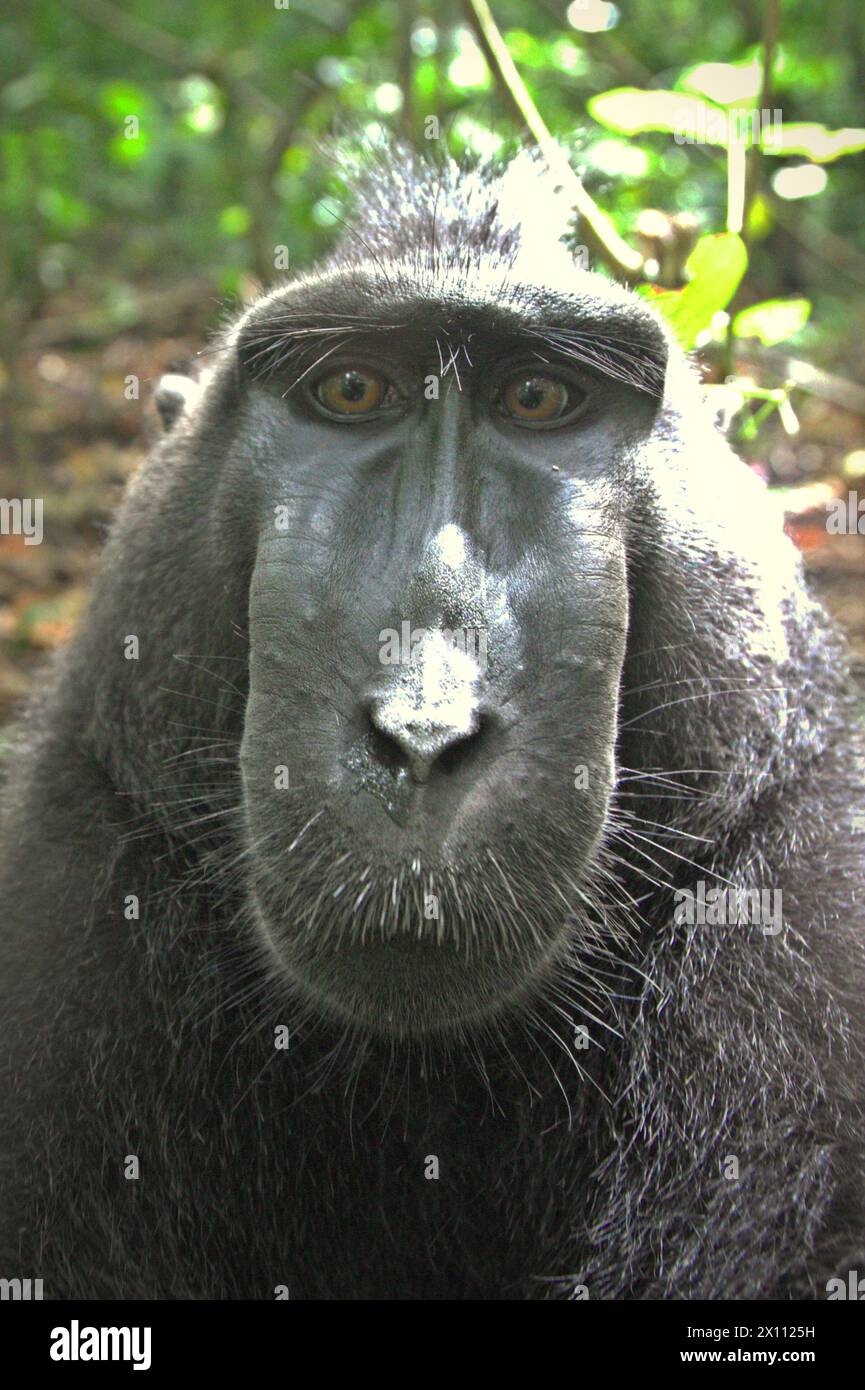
[529, 397]
[353, 391]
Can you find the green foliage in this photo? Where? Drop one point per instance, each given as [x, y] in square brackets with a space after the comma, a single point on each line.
[715, 269]
[630, 111]
[773, 321]
[142, 141]
[816, 141]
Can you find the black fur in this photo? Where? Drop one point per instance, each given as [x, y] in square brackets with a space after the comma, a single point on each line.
[735, 762]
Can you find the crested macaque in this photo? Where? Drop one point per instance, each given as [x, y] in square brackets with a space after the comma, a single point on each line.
[434, 868]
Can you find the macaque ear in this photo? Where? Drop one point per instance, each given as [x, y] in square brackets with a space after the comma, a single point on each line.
[174, 395]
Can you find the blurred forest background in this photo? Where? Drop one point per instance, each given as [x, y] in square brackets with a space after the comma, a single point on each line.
[155, 156]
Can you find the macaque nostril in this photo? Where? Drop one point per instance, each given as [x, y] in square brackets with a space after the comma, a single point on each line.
[461, 750]
[419, 740]
[428, 709]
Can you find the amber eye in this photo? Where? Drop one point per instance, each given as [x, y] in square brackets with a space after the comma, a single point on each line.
[529, 397]
[351, 391]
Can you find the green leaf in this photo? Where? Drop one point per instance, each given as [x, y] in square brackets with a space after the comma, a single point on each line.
[123, 150]
[773, 320]
[818, 142]
[526, 50]
[630, 111]
[295, 159]
[121, 99]
[761, 218]
[727, 84]
[716, 266]
[235, 220]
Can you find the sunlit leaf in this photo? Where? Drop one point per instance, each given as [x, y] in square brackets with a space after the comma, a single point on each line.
[773, 320]
[568, 57]
[592, 16]
[468, 70]
[793, 181]
[121, 99]
[295, 160]
[526, 50]
[726, 84]
[125, 149]
[426, 81]
[631, 111]
[817, 142]
[716, 266]
[760, 218]
[235, 220]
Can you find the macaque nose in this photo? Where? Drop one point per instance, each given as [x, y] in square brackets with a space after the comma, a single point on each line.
[429, 709]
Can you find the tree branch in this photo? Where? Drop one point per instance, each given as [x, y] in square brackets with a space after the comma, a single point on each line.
[771, 21]
[600, 235]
